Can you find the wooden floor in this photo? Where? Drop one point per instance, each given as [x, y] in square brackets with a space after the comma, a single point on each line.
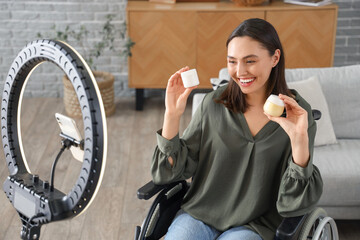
[116, 210]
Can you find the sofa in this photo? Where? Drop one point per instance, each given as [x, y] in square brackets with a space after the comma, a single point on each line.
[335, 92]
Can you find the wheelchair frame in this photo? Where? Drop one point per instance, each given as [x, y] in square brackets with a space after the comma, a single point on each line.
[315, 225]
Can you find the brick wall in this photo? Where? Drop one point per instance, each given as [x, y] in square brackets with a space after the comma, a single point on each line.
[20, 21]
[347, 49]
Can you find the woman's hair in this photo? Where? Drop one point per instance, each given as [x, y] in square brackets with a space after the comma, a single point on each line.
[264, 33]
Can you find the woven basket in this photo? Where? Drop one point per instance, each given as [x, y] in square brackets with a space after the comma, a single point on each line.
[105, 83]
[248, 3]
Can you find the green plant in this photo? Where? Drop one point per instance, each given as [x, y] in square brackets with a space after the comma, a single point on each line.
[109, 33]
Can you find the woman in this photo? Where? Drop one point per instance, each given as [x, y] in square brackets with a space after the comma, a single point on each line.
[249, 169]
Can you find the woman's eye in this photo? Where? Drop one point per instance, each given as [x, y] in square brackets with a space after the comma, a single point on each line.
[232, 62]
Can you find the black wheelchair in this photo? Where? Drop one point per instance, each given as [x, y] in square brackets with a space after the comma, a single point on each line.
[315, 225]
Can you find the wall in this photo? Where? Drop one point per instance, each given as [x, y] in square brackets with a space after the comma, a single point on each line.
[347, 49]
[20, 21]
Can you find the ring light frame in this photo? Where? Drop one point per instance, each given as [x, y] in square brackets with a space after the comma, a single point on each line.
[31, 196]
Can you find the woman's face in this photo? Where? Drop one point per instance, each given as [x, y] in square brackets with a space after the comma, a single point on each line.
[249, 64]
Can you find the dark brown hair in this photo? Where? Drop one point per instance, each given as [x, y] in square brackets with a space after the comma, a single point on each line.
[263, 32]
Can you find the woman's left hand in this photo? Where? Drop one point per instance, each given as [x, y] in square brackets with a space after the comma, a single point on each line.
[295, 124]
[296, 121]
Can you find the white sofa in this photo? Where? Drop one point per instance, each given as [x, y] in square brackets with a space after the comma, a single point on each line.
[335, 92]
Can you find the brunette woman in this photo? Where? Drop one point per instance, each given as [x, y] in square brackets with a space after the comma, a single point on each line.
[249, 169]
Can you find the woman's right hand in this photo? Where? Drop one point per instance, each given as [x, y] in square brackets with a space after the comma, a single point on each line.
[176, 94]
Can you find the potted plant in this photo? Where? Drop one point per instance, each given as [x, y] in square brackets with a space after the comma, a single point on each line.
[90, 52]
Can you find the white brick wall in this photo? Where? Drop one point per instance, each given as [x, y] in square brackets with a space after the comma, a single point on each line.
[21, 20]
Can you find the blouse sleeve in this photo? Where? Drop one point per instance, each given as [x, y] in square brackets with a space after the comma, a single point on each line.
[184, 152]
[300, 188]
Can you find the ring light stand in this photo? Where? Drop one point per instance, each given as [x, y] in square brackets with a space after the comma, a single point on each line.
[35, 201]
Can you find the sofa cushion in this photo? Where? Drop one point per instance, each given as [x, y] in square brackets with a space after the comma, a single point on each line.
[340, 86]
[339, 166]
[310, 90]
[224, 74]
[197, 99]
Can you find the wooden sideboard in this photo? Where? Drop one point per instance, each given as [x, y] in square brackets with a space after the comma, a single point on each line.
[171, 36]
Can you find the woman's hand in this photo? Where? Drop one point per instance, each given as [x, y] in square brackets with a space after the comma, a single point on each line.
[176, 94]
[295, 124]
[175, 103]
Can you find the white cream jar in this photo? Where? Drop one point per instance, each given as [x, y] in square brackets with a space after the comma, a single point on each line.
[190, 78]
[274, 106]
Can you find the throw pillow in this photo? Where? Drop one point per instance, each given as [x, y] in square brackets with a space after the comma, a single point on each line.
[310, 90]
[340, 86]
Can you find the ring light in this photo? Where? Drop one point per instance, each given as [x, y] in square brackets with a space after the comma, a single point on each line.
[32, 197]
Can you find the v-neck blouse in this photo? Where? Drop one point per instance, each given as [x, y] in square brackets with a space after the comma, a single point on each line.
[261, 133]
[238, 179]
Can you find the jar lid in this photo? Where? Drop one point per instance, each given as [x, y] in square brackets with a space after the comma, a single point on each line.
[275, 100]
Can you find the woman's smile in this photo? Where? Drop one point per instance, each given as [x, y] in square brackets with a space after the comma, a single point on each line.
[245, 82]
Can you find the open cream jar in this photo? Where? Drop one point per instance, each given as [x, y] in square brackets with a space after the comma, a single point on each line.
[190, 78]
[274, 106]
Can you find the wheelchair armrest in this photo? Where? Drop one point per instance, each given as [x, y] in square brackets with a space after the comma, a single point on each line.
[151, 189]
[289, 228]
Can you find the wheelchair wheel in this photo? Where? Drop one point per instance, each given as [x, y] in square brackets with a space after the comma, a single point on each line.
[318, 226]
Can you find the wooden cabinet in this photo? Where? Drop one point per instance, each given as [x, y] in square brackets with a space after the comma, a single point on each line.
[164, 41]
[170, 36]
[307, 36]
[213, 29]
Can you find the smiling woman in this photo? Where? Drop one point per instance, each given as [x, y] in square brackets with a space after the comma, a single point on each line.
[248, 168]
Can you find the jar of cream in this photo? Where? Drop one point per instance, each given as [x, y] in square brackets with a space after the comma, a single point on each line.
[190, 78]
[274, 106]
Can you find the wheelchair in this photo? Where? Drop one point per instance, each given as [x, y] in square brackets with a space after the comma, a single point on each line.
[315, 225]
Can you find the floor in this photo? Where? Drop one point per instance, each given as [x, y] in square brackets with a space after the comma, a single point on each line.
[116, 210]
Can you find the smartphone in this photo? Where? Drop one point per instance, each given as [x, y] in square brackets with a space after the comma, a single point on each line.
[69, 129]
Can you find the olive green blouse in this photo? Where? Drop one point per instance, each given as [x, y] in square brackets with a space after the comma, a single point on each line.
[238, 179]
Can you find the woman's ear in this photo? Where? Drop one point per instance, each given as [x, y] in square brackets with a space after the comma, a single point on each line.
[276, 57]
